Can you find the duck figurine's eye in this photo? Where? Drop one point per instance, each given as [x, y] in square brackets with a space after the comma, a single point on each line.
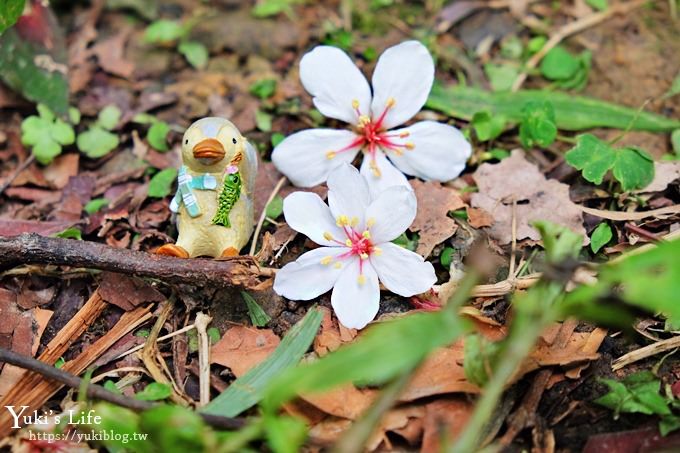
[186, 142]
[233, 140]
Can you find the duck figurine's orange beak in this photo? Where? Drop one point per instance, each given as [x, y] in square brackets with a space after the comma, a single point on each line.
[209, 148]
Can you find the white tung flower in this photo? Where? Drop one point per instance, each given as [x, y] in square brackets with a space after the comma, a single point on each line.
[354, 231]
[402, 81]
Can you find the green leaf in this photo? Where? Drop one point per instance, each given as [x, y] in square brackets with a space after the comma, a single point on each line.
[501, 76]
[175, 429]
[285, 434]
[144, 118]
[164, 31]
[161, 183]
[108, 118]
[95, 205]
[46, 149]
[97, 142]
[592, 156]
[73, 115]
[479, 355]
[636, 393]
[634, 168]
[263, 120]
[10, 11]
[384, 351]
[675, 141]
[277, 137]
[62, 133]
[195, 53]
[571, 112]
[275, 207]
[111, 387]
[559, 64]
[538, 124]
[248, 390]
[669, 424]
[446, 257]
[158, 136]
[267, 8]
[213, 335]
[487, 127]
[70, 233]
[600, 237]
[125, 424]
[535, 44]
[650, 280]
[154, 391]
[264, 88]
[600, 5]
[258, 316]
[37, 72]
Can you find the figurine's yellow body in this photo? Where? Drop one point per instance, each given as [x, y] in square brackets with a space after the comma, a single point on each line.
[212, 148]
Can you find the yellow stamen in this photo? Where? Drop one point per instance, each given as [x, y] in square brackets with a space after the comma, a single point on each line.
[326, 260]
[370, 222]
[348, 243]
[354, 222]
[355, 104]
[377, 251]
[363, 256]
[404, 134]
[337, 265]
[327, 236]
[390, 102]
[398, 152]
[330, 155]
[366, 234]
[409, 145]
[364, 120]
[361, 279]
[342, 221]
[375, 170]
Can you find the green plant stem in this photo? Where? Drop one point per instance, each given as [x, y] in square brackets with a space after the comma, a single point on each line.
[357, 436]
[565, 139]
[241, 438]
[524, 333]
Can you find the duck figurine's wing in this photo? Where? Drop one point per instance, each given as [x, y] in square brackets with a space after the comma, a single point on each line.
[250, 167]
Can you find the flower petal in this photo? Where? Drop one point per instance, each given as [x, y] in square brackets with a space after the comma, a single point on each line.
[439, 152]
[306, 213]
[389, 176]
[404, 73]
[330, 76]
[348, 193]
[302, 156]
[391, 213]
[307, 277]
[355, 303]
[402, 271]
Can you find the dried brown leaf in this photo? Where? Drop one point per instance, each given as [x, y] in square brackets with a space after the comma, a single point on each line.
[241, 348]
[535, 198]
[432, 221]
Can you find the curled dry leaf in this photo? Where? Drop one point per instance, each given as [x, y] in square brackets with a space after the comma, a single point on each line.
[241, 348]
[516, 180]
[432, 221]
[664, 174]
[479, 218]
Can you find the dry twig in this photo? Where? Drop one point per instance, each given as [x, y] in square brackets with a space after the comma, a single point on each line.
[35, 249]
[201, 323]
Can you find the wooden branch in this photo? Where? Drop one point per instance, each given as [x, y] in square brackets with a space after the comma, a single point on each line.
[98, 392]
[34, 249]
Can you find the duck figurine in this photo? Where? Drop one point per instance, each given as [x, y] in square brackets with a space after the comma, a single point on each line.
[214, 199]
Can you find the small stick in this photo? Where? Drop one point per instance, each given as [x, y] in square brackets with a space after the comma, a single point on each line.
[570, 29]
[35, 249]
[646, 351]
[263, 214]
[23, 166]
[99, 392]
[201, 323]
[164, 337]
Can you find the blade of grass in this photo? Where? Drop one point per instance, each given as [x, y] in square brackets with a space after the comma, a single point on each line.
[257, 315]
[247, 390]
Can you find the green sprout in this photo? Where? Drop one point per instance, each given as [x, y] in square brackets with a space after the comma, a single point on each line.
[46, 134]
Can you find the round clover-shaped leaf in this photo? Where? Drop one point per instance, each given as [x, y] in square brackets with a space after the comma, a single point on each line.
[634, 168]
[158, 134]
[97, 142]
[109, 117]
[46, 149]
[62, 133]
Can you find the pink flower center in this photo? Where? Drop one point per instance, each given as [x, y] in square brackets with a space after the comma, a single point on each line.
[357, 244]
[371, 136]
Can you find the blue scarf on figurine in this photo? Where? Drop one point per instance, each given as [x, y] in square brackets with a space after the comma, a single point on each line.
[185, 194]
